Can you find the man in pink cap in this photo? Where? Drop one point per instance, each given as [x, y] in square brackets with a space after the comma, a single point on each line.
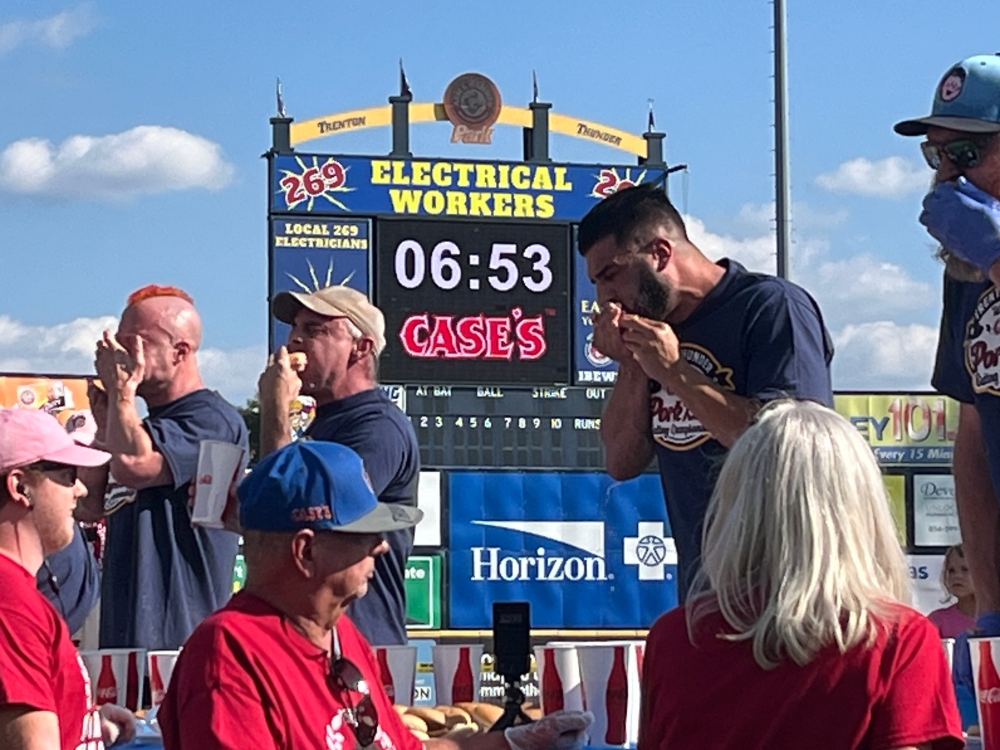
[45, 697]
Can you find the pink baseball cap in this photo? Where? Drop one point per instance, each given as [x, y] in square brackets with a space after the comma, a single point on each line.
[30, 435]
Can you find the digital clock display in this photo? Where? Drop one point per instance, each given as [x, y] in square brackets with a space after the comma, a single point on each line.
[474, 303]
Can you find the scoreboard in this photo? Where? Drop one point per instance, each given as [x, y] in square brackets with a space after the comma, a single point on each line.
[503, 427]
[486, 300]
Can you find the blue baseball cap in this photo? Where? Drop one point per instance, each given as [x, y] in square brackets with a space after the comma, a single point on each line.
[317, 485]
[967, 99]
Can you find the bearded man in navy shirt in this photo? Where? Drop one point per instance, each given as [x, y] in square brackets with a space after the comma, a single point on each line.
[700, 347]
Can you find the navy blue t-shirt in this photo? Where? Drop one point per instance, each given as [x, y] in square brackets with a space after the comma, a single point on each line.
[759, 336]
[967, 366]
[161, 576]
[378, 431]
[70, 579]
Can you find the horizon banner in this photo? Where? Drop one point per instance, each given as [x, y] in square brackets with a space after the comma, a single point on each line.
[584, 550]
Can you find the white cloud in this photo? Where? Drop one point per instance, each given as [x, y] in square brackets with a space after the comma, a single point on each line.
[56, 31]
[233, 372]
[863, 286]
[857, 288]
[756, 253]
[884, 355]
[68, 349]
[145, 159]
[892, 177]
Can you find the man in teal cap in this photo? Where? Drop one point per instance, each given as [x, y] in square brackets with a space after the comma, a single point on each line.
[962, 212]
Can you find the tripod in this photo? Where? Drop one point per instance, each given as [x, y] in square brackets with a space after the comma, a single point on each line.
[513, 714]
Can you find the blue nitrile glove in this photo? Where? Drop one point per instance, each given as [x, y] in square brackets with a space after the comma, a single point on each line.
[987, 624]
[965, 220]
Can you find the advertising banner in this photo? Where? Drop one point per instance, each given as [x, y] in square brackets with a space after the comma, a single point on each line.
[584, 550]
[895, 487]
[904, 429]
[307, 255]
[320, 183]
[61, 396]
[423, 592]
[590, 366]
[925, 575]
[935, 516]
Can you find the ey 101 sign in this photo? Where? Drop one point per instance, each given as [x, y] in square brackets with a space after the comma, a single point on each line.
[904, 429]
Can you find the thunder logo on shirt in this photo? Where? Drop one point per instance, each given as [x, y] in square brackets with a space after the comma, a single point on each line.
[674, 426]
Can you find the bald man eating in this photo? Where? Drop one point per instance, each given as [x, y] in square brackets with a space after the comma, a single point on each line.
[161, 576]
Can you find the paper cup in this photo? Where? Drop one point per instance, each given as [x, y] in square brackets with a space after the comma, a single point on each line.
[949, 650]
[398, 669]
[161, 666]
[559, 678]
[218, 464]
[457, 673]
[985, 653]
[116, 675]
[610, 677]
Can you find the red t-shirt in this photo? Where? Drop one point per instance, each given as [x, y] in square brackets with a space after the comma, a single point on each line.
[39, 666]
[895, 693]
[247, 678]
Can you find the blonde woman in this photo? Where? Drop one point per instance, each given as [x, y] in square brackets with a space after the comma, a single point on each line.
[796, 634]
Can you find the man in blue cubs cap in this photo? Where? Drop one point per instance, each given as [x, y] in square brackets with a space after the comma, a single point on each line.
[962, 212]
[282, 666]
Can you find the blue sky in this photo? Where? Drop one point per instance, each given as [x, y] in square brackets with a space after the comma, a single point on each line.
[131, 134]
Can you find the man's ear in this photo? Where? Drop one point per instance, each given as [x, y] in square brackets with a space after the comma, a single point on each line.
[662, 249]
[182, 351]
[16, 488]
[303, 549]
[362, 348]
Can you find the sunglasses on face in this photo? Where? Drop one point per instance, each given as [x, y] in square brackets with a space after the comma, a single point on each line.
[345, 678]
[963, 153]
[66, 474]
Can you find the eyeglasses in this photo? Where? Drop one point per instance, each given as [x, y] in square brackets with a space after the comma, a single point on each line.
[963, 153]
[46, 467]
[344, 678]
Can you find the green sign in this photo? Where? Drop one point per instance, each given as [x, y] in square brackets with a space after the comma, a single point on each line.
[239, 573]
[423, 592]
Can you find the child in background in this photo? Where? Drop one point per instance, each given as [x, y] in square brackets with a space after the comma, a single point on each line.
[955, 579]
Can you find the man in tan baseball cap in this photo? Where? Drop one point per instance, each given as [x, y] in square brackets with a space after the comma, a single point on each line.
[335, 302]
[331, 355]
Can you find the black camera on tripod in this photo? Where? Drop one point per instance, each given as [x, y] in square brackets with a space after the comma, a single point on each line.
[512, 658]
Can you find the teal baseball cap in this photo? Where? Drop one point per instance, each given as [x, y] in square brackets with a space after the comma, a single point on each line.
[316, 484]
[967, 99]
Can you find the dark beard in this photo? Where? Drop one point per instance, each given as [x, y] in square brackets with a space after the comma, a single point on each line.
[653, 298]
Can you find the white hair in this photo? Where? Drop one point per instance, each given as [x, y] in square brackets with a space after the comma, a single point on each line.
[799, 547]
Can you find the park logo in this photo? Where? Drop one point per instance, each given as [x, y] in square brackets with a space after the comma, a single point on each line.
[982, 344]
[674, 426]
[472, 104]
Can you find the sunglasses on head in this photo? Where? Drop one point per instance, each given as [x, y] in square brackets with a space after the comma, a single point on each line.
[963, 153]
[345, 678]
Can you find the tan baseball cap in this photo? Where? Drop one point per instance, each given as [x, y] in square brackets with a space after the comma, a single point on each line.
[334, 302]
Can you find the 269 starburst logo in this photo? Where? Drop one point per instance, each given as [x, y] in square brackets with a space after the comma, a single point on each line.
[610, 182]
[314, 181]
